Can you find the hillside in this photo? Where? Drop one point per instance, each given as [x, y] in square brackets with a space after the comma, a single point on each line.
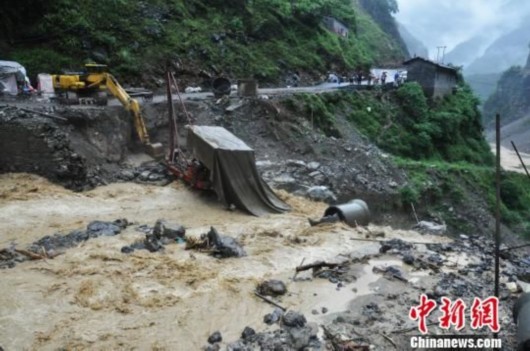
[508, 50]
[120, 250]
[414, 45]
[511, 98]
[466, 52]
[265, 39]
[483, 85]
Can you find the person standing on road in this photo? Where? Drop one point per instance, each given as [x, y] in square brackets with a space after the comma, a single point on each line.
[396, 79]
[359, 77]
[383, 78]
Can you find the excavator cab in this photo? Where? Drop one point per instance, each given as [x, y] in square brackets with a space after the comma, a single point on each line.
[93, 68]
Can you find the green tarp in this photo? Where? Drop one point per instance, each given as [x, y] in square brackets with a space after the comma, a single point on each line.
[233, 172]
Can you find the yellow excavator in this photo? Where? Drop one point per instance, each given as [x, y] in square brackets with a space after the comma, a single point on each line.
[92, 86]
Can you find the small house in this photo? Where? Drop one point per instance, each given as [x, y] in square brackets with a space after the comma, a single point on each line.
[336, 26]
[436, 80]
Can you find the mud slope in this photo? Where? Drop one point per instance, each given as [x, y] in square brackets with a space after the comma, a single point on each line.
[75, 151]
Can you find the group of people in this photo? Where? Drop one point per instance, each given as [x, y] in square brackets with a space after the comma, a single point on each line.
[371, 78]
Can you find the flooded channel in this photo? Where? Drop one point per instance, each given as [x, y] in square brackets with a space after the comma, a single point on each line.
[94, 297]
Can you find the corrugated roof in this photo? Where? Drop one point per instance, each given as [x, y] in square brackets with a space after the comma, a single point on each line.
[430, 62]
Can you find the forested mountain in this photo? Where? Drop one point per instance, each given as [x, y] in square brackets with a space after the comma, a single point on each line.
[512, 96]
[261, 38]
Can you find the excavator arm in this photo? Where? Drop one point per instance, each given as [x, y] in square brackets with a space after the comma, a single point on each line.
[133, 107]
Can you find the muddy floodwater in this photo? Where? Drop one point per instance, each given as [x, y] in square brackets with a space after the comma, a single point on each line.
[510, 161]
[95, 297]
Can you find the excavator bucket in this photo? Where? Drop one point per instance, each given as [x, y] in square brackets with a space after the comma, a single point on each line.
[154, 150]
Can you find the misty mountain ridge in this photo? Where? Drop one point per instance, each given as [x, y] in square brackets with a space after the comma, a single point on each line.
[508, 50]
[466, 52]
[414, 46]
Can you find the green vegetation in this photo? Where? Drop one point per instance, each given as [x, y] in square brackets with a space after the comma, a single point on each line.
[444, 185]
[261, 38]
[405, 124]
[438, 143]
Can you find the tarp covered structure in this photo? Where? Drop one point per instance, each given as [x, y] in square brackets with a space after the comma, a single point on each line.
[233, 172]
[12, 74]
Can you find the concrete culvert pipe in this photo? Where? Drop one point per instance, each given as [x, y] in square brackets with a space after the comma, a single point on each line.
[521, 316]
[220, 87]
[354, 212]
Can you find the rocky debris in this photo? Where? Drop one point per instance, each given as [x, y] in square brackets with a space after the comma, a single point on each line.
[215, 337]
[321, 193]
[224, 246]
[390, 272]
[294, 334]
[394, 246]
[430, 227]
[247, 333]
[35, 144]
[100, 228]
[294, 319]
[408, 259]
[214, 347]
[513, 287]
[218, 245]
[93, 230]
[274, 317]
[49, 245]
[272, 287]
[9, 258]
[165, 229]
[326, 219]
[163, 233]
[149, 172]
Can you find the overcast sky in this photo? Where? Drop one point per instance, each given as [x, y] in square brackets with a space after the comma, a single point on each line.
[450, 22]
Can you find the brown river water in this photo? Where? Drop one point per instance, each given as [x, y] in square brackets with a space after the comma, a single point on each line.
[94, 297]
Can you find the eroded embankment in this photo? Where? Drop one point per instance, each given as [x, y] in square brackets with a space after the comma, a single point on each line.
[79, 149]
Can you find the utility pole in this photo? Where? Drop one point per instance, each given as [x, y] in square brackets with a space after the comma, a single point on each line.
[438, 54]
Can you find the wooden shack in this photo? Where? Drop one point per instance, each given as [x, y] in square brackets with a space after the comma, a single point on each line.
[436, 80]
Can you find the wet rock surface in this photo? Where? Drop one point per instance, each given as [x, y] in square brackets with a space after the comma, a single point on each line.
[224, 246]
[151, 172]
[272, 287]
[165, 229]
[51, 245]
[163, 233]
[215, 337]
[273, 317]
[293, 334]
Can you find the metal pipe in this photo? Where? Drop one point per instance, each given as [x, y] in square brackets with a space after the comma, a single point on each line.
[354, 213]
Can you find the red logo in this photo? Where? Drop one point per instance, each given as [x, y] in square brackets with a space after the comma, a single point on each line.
[452, 314]
[422, 311]
[483, 313]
